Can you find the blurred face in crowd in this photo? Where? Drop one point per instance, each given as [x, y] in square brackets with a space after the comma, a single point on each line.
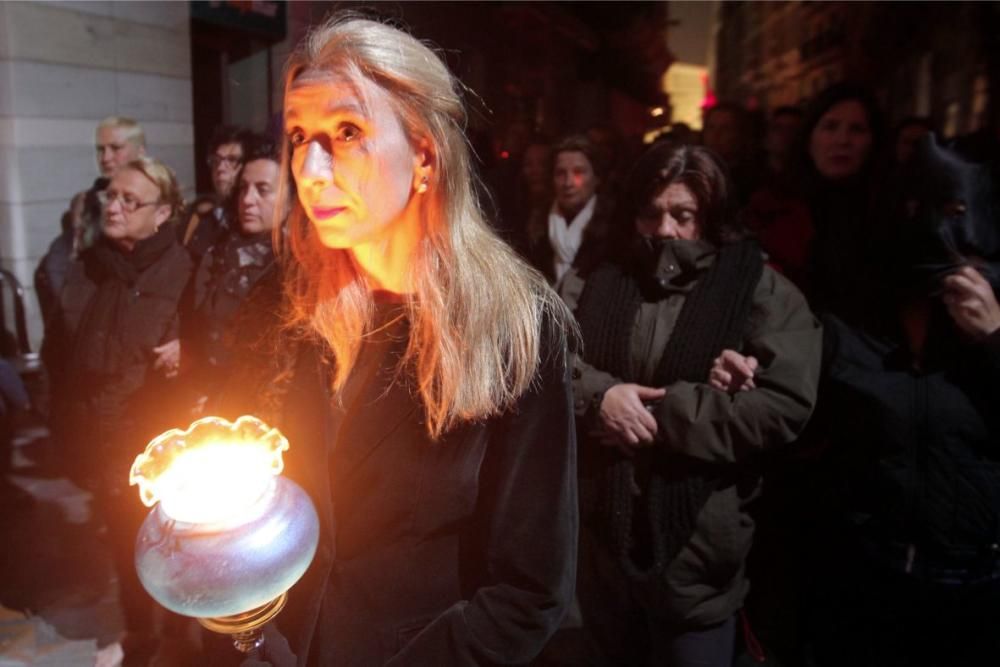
[132, 209]
[841, 141]
[225, 163]
[535, 168]
[355, 169]
[574, 181]
[721, 134]
[115, 149]
[781, 136]
[672, 214]
[906, 141]
[257, 196]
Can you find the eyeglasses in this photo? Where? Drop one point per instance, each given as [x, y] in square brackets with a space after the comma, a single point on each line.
[128, 203]
[230, 161]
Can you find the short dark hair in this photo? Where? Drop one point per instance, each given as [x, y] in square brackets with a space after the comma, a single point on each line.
[229, 134]
[578, 143]
[700, 170]
[260, 146]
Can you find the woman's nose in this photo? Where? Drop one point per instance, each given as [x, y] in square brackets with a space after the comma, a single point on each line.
[317, 166]
[667, 229]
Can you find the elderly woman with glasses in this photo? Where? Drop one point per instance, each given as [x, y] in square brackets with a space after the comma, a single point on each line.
[114, 360]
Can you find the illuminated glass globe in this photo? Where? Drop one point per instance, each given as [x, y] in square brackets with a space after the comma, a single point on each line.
[227, 534]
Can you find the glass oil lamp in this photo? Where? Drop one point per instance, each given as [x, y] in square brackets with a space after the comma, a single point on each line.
[227, 535]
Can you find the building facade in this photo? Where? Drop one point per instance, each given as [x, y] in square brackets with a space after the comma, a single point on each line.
[922, 59]
[63, 67]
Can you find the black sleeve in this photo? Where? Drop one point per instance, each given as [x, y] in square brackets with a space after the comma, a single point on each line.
[991, 348]
[529, 517]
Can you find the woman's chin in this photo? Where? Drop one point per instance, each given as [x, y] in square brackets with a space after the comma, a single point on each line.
[336, 240]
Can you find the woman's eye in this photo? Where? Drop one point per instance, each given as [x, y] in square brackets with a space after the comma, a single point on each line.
[297, 137]
[348, 132]
[684, 216]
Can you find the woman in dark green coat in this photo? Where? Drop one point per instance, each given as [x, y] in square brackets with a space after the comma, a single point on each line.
[668, 462]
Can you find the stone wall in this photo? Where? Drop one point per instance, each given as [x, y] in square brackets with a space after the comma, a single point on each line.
[63, 67]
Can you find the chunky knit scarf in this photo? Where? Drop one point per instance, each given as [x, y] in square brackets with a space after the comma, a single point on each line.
[646, 508]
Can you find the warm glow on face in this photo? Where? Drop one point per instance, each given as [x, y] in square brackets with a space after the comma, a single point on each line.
[211, 472]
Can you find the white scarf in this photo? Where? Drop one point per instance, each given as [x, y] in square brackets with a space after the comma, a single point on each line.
[566, 237]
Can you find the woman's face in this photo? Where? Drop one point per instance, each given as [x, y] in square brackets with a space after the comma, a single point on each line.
[354, 167]
[133, 211]
[672, 214]
[841, 141]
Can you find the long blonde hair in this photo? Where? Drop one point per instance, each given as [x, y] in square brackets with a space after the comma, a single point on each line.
[475, 308]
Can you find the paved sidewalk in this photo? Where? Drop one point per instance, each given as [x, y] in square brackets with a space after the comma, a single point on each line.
[57, 583]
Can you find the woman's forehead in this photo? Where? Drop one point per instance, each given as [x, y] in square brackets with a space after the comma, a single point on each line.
[133, 180]
[675, 193]
[333, 87]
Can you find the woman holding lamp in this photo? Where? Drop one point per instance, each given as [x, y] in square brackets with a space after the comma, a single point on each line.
[419, 370]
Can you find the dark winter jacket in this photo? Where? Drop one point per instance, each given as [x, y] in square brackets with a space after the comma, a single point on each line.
[225, 276]
[456, 552]
[114, 400]
[715, 430]
[914, 455]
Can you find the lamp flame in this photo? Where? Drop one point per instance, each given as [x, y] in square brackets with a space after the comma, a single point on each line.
[211, 472]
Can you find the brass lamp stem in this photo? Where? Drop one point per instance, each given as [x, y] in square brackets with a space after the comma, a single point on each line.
[245, 628]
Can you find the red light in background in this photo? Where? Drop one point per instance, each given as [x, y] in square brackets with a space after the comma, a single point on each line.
[504, 154]
[709, 100]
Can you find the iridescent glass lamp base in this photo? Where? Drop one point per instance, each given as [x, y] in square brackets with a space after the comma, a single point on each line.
[229, 536]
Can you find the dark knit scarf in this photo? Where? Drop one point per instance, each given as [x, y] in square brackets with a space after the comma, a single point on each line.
[110, 262]
[646, 527]
[234, 267]
[98, 346]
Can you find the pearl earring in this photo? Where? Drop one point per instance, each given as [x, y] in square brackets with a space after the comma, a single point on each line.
[422, 186]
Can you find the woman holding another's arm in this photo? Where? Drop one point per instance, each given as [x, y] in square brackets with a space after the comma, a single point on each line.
[669, 462]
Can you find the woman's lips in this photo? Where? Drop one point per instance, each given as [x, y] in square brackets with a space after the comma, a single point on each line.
[322, 213]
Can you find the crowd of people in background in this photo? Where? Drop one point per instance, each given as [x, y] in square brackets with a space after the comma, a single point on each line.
[876, 525]
[785, 393]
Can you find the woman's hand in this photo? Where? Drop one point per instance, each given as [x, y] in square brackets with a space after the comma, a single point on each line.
[971, 303]
[732, 372]
[626, 421]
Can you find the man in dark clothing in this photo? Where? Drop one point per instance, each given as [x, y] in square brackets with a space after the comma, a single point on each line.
[207, 219]
[232, 267]
[137, 272]
[910, 546]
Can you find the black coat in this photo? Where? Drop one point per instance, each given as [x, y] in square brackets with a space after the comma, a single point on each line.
[112, 400]
[918, 461]
[226, 274]
[458, 552]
